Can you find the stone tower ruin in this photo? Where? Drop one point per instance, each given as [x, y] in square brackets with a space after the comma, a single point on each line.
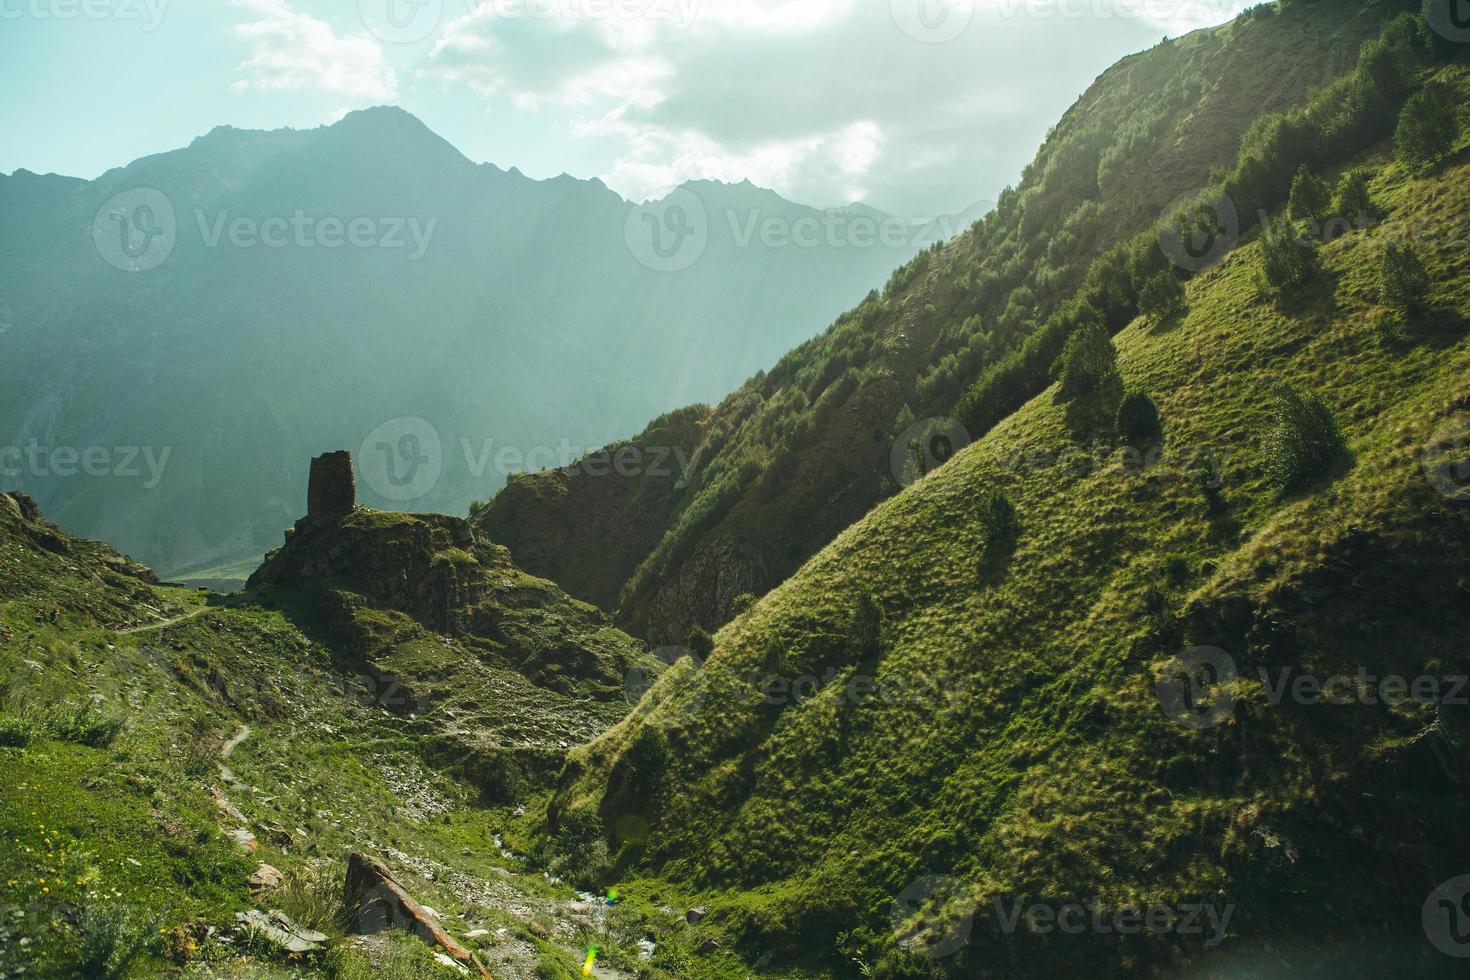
[331, 493]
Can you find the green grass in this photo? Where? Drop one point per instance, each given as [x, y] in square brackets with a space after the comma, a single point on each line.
[1046, 768]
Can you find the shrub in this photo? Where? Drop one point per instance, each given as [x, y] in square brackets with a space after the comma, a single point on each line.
[1403, 282]
[1138, 420]
[699, 642]
[1287, 260]
[1089, 362]
[741, 604]
[1427, 128]
[1303, 442]
[1351, 199]
[1309, 196]
[83, 724]
[1162, 296]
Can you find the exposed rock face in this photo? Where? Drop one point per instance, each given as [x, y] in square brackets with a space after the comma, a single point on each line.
[21, 517]
[332, 489]
[426, 565]
[381, 903]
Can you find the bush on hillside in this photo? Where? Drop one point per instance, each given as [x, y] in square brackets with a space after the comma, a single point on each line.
[700, 643]
[1088, 366]
[1303, 442]
[1403, 282]
[1162, 296]
[1309, 196]
[1427, 128]
[1287, 259]
[1351, 200]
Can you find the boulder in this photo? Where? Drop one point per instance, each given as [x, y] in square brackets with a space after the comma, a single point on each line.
[277, 927]
[264, 879]
[380, 902]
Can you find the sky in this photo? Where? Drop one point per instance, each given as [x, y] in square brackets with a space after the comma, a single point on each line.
[917, 107]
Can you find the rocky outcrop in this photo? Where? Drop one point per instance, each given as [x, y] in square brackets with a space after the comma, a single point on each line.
[21, 518]
[379, 902]
[431, 566]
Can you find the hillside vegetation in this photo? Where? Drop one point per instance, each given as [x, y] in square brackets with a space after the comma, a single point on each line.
[972, 683]
[965, 332]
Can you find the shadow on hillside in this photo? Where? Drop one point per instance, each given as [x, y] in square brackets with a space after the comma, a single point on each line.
[1440, 326]
[995, 563]
[1315, 300]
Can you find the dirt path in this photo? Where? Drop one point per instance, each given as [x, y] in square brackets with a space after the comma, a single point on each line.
[163, 625]
[240, 736]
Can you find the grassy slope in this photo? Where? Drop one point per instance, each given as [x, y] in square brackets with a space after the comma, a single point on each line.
[802, 453]
[121, 837]
[1049, 770]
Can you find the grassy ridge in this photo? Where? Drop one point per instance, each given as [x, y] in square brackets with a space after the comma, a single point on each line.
[1025, 753]
[799, 453]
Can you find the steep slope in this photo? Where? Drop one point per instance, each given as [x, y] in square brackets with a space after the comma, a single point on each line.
[283, 292]
[800, 452]
[934, 725]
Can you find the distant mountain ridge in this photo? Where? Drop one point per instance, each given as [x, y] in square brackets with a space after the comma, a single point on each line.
[258, 297]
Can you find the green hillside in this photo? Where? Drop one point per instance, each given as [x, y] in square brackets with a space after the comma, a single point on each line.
[800, 452]
[1161, 673]
[148, 732]
[1007, 725]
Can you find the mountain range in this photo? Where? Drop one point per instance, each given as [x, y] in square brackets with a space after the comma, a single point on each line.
[178, 333]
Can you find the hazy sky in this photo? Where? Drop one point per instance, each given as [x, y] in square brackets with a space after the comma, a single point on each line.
[915, 106]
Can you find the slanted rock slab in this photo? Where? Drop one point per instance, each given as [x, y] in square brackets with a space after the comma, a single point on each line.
[381, 902]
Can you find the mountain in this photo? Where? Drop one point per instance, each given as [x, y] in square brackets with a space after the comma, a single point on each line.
[1159, 669]
[1070, 671]
[283, 293]
[801, 451]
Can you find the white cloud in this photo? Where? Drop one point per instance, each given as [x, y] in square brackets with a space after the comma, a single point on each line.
[826, 101]
[291, 51]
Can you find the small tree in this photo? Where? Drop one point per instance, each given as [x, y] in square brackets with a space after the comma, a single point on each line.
[1162, 296]
[700, 643]
[1351, 199]
[1138, 420]
[1427, 128]
[1309, 196]
[1088, 364]
[1403, 282]
[1303, 442]
[1287, 260]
